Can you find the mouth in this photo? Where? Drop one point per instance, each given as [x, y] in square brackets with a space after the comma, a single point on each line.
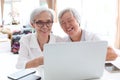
[69, 29]
[44, 30]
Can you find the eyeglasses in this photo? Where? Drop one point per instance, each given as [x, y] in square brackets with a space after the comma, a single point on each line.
[41, 24]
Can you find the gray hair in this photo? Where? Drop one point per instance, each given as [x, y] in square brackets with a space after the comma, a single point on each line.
[73, 11]
[40, 10]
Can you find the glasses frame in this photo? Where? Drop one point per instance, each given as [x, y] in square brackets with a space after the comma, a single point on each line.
[42, 24]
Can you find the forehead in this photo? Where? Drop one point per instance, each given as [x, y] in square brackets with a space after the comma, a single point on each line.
[67, 15]
[44, 16]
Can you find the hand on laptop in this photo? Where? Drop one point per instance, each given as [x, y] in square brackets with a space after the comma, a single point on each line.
[111, 54]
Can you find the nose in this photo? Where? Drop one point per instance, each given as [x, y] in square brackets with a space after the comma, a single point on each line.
[67, 24]
[45, 25]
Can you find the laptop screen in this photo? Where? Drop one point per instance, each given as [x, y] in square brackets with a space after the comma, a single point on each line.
[74, 60]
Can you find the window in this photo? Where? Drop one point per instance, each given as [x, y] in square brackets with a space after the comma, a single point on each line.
[11, 11]
[19, 10]
[98, 16]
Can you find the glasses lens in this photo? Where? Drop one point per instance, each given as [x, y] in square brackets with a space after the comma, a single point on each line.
[49, 23]
[41, 24]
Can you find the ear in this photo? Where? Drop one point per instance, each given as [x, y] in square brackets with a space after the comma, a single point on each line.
[32, 24]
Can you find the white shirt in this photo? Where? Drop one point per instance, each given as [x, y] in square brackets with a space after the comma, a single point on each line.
[29, 49]
[86, 36]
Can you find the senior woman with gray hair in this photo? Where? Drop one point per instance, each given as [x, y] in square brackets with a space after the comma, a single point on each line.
[69, 20]
[31, 45]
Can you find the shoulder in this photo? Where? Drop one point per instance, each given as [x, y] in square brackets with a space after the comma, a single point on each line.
[60, 39]
[54, 38]
[57, 38]
[26, 38]
[91, 35]
[66, 39]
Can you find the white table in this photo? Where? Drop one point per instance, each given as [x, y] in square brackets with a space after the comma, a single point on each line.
[106, 76]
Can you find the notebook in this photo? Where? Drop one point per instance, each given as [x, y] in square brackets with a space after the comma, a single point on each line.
[74, 60]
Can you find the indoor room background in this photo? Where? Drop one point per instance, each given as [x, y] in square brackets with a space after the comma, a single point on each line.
[99, 16]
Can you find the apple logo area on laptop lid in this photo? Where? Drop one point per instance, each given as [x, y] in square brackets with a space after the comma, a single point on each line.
[74, 60]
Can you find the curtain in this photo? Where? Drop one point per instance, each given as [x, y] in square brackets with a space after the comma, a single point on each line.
[52, 4]
[2, 8]
[117, 43]
[0, 12]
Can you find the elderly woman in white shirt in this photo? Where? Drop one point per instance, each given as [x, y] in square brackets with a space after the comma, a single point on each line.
[69, 20]
[31, 45]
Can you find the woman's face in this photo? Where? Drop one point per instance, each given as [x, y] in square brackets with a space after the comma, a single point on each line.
[43, 23]
[69, 24]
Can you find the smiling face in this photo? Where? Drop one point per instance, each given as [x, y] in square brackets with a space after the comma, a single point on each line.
[69, 24]
[43, 23]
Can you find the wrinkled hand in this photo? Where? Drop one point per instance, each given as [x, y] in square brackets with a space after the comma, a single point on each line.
[111, 54]
[35, 62]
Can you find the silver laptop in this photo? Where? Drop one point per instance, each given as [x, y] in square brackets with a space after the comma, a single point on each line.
[74, 60]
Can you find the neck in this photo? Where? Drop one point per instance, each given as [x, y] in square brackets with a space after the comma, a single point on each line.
[42, 40]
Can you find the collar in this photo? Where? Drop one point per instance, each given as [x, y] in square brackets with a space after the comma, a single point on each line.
[82, 36]
[34, 42]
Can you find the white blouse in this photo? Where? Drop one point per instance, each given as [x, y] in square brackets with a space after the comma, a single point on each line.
[86, 36]
[29, 49]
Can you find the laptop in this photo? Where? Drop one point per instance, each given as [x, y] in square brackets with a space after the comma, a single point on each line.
[74, 60]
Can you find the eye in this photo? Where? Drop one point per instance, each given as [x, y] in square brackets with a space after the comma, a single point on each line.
[38, 22]
[49, 21]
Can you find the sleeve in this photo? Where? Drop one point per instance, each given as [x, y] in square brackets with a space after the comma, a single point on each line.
[59, 39]
[23, 57]
[63, 39]
[89, 36]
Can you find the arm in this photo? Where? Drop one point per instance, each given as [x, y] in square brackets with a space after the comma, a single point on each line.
[23, 55]
[35, 62]
[27, 58]
[111, 54]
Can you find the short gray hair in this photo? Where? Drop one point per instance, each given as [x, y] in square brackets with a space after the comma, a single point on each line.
[73, 11]
[40, 10]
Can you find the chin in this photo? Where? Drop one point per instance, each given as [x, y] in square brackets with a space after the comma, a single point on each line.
[70, 33]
